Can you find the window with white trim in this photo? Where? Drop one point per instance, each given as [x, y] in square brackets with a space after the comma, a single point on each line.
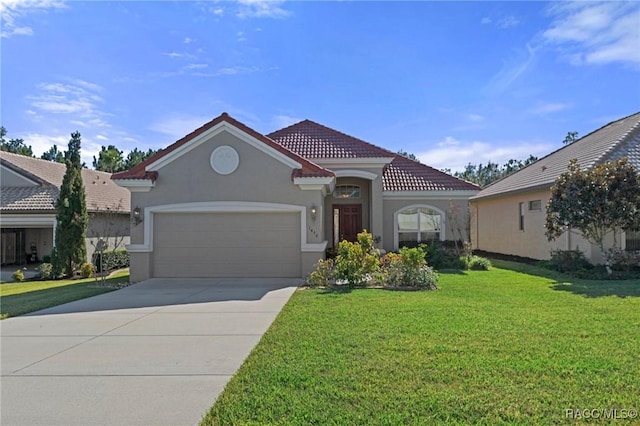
[535, 205]
[418, 225]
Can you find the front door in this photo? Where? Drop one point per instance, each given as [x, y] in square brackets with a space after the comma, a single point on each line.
[349, 221]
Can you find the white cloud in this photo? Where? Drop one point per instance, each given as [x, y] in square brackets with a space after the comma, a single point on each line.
[218, 11]
[512, 70]
[476, 118]
[188, 40]
[548, 108]
[13, 11]
[78, 98]
[486, 20]
[261, 9]
[455, 154]
[102, 138]
[196, 66]
[508, 22]
[179, 125]
[596, 32]
[282, 121]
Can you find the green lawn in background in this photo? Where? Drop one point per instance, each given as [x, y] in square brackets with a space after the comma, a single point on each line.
[514, 345]
[21, 298]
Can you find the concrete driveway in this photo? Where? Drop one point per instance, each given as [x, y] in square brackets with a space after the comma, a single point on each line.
[155, 353]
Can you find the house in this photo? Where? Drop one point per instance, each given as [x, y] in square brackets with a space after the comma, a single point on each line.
[29, 190]
[227, 201]
[509, 216]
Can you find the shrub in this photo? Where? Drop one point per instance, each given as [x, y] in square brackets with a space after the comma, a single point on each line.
[18, 275]
[624, 261]
[442, 255]
[478, 263]
[116, 259]
[407, 269]
[46, 258]
[568, 261]
[46, 270]
[355, 262]
[323, 275]
[86, 270]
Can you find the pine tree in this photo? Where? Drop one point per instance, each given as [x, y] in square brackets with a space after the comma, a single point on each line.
[72, 218]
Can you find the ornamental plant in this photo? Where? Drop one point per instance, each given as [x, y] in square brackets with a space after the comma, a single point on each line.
[356, 262]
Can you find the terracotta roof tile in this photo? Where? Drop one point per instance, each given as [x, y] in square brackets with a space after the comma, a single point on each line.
[617, 139]
[101, 192]
[315, 141]
[309, 169]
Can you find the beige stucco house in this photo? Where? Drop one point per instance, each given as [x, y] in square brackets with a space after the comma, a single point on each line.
[29, 190]
[509, 216]
[227, 201]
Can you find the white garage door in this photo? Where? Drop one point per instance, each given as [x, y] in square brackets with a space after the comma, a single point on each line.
[226, 245]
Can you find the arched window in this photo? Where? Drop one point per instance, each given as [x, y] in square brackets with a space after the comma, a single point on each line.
[418, 224]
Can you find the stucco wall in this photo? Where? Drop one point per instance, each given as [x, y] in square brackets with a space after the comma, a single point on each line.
[495, 228]
[451, 224]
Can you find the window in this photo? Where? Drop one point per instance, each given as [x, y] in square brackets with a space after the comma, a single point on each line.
[632, 240]
[521, 222]
[535, 205]
[346, 191]
[418, 225]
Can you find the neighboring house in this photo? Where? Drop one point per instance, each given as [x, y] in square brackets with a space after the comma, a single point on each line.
[227, 201]
[30, 187]
[509, 216]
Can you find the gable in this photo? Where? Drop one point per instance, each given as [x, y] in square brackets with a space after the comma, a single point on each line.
[194, 175]
[10, 177]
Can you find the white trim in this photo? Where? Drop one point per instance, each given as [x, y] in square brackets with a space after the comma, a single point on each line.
[214, 131]
[223, 206]
[428, 195]
[355, 173]
[367, 162]
[28, 220]
[323, 184]
[136, 185]
[623, 240]
[443, 221]
[20, 175]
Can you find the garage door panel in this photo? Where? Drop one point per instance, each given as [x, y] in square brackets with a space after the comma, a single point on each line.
[226, 245]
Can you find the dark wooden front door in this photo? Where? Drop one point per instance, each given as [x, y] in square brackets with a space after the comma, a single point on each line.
[350, 221]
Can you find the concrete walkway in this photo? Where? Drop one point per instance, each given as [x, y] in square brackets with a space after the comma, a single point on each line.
[155, 353]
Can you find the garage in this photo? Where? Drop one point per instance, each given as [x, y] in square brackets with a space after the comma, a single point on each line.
[226, 244]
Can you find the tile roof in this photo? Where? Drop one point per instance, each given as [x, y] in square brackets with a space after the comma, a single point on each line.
[101, 192]
[308, 169]
[315, 141]
[614, 140]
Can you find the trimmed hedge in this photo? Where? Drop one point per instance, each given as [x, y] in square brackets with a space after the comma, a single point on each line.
[117, 259]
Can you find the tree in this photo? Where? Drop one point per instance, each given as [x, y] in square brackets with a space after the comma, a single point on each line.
[16, 146]
[597, 201]
[136, 157]
[570, 138]
[109, 160]
[53, 155]
[408, 155]
[484, 175]
[71, 218]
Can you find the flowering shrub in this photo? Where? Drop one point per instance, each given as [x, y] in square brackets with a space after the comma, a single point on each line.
[408, 269]
[46, 270]
[621, 260]
[355, 262]
[323, 275]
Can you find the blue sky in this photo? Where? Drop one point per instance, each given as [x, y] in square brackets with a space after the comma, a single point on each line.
[452, 82]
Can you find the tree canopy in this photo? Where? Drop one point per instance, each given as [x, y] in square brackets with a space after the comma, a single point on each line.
[570, 138]
[485, 174]
[595, 201]
[53, 155]
[110, 159]
[16, 146]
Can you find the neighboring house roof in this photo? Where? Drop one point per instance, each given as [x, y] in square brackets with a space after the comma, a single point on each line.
[315, 141]
[101, 192]
[617, 139]
[308, 169]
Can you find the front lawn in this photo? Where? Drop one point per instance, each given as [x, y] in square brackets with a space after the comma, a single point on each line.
[21, 298]
[505, 346]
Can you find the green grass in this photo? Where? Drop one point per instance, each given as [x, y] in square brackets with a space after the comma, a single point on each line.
[514, 345]
[21, 298]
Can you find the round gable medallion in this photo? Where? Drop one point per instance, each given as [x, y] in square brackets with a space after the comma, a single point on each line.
[224, 160]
